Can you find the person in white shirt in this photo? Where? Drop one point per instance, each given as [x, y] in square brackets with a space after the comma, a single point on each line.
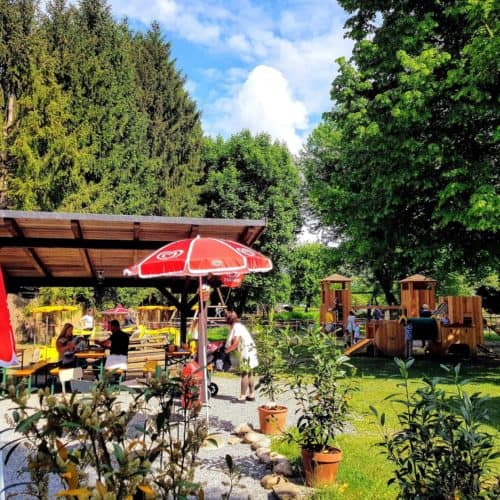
[87, 321]
[240, 340]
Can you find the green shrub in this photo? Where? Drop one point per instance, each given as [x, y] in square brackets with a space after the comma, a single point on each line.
[296, 315]
[439, 451]
[71, 436]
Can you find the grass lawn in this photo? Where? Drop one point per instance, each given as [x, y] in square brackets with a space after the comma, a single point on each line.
[364, 471]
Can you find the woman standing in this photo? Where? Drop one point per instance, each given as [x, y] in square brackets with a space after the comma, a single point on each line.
[241, 341]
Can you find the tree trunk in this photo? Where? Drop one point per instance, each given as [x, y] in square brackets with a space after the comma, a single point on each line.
[4, 171]
[386, 279]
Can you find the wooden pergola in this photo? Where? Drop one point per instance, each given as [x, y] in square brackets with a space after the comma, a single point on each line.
[53, 249]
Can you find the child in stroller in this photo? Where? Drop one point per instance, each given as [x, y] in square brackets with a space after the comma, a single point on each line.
[216, 355]
[218, 359]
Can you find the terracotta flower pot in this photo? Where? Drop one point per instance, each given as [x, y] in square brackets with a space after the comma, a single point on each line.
[320, 468]
[272, 420]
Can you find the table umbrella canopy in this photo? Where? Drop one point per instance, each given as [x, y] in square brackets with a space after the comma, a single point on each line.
[200, 257]
[119, 309]
[55, 308]
[7, 341]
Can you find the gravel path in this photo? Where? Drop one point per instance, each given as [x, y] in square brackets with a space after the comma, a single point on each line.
[224, 416]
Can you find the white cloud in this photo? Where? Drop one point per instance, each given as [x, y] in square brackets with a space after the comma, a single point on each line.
[299, 39]
[264, 103]
[239, 43]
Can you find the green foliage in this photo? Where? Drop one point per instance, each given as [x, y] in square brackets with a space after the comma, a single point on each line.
[174, 135]
[252, 177]
[308, 265]
[293, 315]
[93, 116]
[215, 333]
[271, 362]
[404, 167]
[321, 386]
[439, 450]
[156, 457]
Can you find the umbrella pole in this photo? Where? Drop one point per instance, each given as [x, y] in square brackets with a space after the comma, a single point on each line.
[202, 348]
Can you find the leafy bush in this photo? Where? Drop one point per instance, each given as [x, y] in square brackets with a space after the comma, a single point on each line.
[440, 451]
[271, 362]
[296, 315]
[323, 401]
[72, 436]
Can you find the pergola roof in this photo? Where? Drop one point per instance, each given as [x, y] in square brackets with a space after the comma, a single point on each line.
[87, 250]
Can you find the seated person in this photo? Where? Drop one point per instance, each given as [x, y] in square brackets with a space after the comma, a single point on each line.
[117, 343]
[66, 346]
[425, 312]
[128, 321]
[329, 319]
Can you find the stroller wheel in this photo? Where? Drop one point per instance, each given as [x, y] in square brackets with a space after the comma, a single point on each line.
[213, 389]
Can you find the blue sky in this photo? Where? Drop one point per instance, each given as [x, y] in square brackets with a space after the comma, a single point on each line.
[256, 64]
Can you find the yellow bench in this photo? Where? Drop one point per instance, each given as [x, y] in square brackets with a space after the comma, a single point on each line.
[29, 371]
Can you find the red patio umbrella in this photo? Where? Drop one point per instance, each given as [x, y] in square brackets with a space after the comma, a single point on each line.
[119, 309]
[200, 257]
[7, 343]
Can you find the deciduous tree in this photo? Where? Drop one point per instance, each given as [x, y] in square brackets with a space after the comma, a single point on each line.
[253, 177]
[405, 166]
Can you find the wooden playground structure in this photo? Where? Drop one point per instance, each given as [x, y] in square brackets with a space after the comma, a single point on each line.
[455, 321]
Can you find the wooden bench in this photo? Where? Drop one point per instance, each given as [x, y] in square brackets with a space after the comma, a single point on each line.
[29, 371]
[142, 361]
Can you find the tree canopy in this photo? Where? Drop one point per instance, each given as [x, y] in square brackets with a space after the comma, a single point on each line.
[253, 177]
[405, 165]
[88, 125]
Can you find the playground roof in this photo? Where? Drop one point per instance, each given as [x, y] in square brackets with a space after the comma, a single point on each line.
[418, 277]
[88, 250]
[337, 278]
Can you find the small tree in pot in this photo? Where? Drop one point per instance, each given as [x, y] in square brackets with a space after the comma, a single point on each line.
[321, 387]
[272, 416]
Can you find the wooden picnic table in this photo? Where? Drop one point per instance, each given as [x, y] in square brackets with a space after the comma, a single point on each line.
[90, 354]
[176, 357]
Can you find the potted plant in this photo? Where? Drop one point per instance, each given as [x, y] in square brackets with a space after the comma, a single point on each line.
[272, 416]
[321, 387]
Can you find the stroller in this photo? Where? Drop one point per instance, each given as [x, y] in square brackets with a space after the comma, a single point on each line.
[218, 359]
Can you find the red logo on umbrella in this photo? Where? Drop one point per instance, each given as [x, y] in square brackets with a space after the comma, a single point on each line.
[172, 254]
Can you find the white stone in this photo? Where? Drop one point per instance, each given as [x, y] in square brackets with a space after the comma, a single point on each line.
[261, 443]
[283, 467]
[251, 437]
[270, 480]
[276, 457]
[289, 491]
[241, 429]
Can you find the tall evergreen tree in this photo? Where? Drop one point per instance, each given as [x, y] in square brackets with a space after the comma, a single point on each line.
[17, 21]
[96, 68]
[174, 134]
[43, 149]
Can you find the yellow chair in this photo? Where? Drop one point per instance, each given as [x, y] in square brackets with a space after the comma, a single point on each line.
[149, 368]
